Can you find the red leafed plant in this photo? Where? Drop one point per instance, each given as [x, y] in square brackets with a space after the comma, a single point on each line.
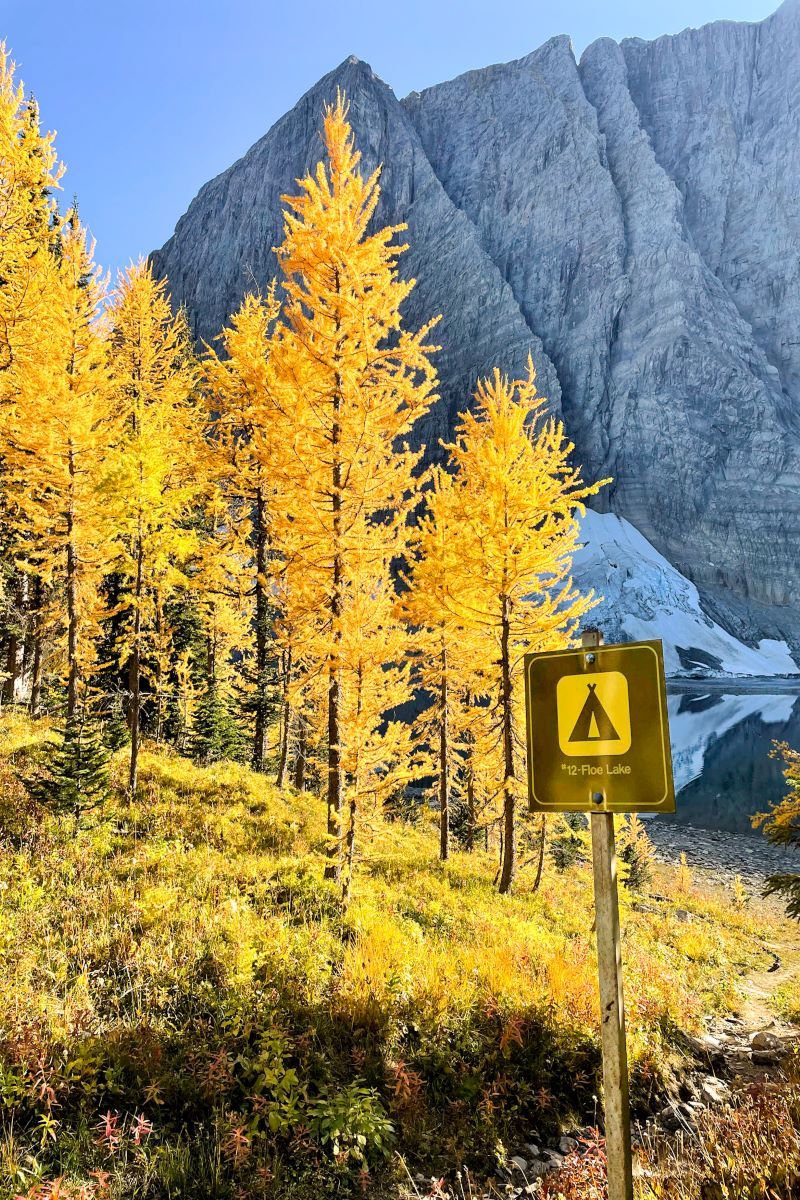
[583, 1174]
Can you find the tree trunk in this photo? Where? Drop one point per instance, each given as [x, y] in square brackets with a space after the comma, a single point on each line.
[211, 658]
[334, 772]
[159, 671]
[12, 664]
[286, 722]
[470, 809]
[36, 668]
[334, 870]
[355, 787]
[509, 864]
[14, 669]
[25, 606]
[134, 669]
[72, 606]
[444, 779]
[302, 751]
[350, 851]
[261, 732]
[542, 843]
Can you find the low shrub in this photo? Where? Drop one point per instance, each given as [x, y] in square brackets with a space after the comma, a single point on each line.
[178, 965]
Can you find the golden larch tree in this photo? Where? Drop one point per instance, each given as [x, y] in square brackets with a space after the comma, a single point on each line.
[57, 428]
[350, 383]
[29, 231]
[516, 501]
[238, 383]
[29, 219]
[158, 472]
[446, 651]
[377, 755]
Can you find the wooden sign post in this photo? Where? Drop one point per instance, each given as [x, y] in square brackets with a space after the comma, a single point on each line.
[616, 1100]
[598, 742]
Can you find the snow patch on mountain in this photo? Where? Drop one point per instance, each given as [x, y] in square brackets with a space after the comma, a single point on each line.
[644, 596]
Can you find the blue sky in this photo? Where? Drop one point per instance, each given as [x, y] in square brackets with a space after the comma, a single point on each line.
[152, 99]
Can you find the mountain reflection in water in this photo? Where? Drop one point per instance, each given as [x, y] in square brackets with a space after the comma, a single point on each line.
[721, 744]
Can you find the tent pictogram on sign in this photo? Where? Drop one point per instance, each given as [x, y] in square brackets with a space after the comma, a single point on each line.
[594, 723]
[594, 716]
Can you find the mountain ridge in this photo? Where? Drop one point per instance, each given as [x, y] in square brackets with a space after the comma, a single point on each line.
[571, 209]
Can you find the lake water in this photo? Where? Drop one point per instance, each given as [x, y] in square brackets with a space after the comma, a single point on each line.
[721, 742]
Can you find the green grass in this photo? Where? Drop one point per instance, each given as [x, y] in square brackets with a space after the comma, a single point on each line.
[185, 1010]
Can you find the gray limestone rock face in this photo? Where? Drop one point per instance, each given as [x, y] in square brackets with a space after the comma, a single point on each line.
[518, 149]
[664, 385]
[721, 106]
[223, 246]
[633, 221]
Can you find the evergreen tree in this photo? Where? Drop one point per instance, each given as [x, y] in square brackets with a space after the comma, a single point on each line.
[636, 852]
[216, 735]
[570, 841]
[73, 776]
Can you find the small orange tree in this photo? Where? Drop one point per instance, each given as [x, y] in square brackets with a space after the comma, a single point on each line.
[515, 502]
[782, 827]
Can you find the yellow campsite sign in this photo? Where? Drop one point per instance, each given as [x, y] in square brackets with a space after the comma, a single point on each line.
[598, 737]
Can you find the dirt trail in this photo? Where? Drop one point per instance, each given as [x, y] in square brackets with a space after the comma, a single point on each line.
[756, 1011]
[750, 1045]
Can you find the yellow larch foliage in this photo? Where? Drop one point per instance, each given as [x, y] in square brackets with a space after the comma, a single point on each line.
[239, 395]
[782, 827]
[350, 383]
[377, 756]
[446, 654]
[29, 230]
[515, 502]
[158, 476]
[29, 220]
[57, 428]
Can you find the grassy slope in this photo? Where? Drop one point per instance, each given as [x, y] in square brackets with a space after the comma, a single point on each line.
[180, 963]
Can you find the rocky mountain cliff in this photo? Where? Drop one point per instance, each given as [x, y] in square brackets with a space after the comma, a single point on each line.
[633, 220]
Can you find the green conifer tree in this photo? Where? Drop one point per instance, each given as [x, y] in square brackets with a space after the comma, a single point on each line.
[217, 736]
[73, 775]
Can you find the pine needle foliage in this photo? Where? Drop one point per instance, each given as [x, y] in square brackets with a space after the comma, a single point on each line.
[73, 776]
[216, 734]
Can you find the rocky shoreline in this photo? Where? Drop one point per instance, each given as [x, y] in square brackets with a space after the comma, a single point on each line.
[721, 855]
